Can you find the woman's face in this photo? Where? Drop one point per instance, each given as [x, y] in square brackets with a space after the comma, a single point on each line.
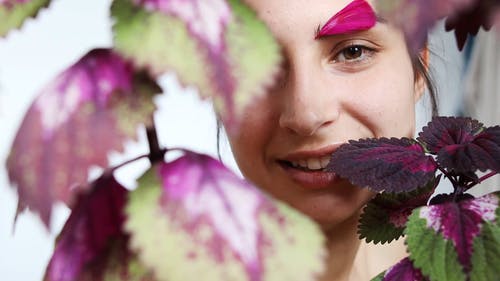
[333, 89]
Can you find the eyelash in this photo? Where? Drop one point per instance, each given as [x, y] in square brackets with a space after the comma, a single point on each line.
[367, 53]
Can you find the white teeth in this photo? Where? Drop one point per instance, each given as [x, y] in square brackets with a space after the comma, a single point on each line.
[312, 163]
[324, 161]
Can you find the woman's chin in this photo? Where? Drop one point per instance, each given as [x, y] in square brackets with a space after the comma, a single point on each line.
[331, 211]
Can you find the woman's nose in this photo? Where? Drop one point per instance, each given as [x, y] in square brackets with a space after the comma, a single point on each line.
[308, 104]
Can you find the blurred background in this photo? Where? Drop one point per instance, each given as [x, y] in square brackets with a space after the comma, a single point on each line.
[467, 84]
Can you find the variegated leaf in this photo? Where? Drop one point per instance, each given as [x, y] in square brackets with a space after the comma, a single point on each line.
[218, 46]
[92, 245]
[193, 217]
[87, 111]
[442, 238]
[14, 12]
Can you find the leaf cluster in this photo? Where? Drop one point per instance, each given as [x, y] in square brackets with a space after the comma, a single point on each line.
[446, 235]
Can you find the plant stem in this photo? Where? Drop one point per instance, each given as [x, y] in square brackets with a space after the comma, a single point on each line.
[481, 179]
[156, 154]
[112, 169]
[452, 180]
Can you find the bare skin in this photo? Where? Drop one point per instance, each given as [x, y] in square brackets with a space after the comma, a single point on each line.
[343, 87]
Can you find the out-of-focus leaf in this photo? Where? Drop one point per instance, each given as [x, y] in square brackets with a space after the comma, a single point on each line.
[87, 111]
[193, 217]
[91, 245]
[486, 254]
[469, 21]
[384, 217]
[440, 237]
[393, 165]
[14, 12]
[415, 18]
[227, 53]
[115, 263]
[462, 144]
[402, 271]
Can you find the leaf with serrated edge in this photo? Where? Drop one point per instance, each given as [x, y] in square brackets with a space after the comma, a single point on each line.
[385, 216]
[443, 131]
[14, 12]
[393, 165]
[450, 225]
[233, 60]
[435, 256]
[462, 144]
[98, 100]
[210, 223]
[402, 271]
[92, 244]
[486, 251]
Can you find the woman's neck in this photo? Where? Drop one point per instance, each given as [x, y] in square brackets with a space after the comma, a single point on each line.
[342, 246]
[350, 259]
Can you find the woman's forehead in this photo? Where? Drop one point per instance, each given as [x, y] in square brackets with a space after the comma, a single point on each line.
[297, 16]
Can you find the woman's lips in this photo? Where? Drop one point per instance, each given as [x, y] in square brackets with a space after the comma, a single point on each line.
[310, 178]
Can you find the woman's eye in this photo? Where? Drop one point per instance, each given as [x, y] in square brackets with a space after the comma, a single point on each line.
[353, 54]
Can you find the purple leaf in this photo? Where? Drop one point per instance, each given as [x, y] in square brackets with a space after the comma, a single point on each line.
[87, 111]
[460, 222]
[444, 131]
[211, 221]
[393, 165]
[469, 21]
[462, 144]
[417, 17]
[402, 271]
[92, 235]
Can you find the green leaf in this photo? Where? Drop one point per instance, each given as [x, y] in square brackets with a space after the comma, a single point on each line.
[182, 217]
[429, 251]
[379, 277]
[243, 66]
[158, 43]
[486, 252]
[13, 13]
[254, 53]
[385, 216]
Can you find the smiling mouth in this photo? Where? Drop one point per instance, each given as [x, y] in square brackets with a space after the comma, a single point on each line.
[309, 169]
[308, 165]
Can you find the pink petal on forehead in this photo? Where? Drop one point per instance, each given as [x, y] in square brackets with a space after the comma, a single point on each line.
[356, 16]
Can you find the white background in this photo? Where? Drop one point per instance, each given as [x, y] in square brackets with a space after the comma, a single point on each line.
[30, 58]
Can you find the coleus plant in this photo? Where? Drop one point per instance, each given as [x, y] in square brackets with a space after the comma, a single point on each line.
[450, 236]
[192, 217]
